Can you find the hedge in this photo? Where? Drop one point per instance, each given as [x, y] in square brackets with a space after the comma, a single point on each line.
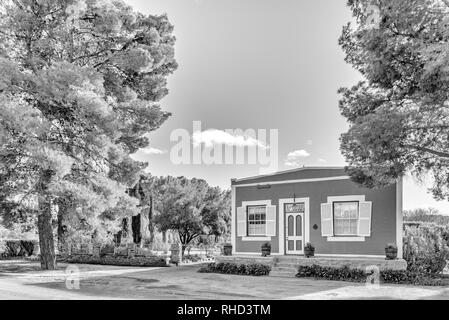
[16, 248]
[255, 269]
[118, 261]
[346, 273]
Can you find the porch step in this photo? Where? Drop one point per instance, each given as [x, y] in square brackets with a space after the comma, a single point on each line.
[283, 272]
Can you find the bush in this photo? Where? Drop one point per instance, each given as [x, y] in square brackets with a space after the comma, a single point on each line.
[191, 257]
[16, 248]
[3, 249]
[426, 248]
[386, 276]
[255, 269]
[118, 261]
[330, 273]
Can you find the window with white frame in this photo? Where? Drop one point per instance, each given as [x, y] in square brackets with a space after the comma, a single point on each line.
[346, 218]
[257, 223]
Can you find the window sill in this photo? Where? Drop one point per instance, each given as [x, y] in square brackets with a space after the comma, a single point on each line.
[256, 238]
[346, 239]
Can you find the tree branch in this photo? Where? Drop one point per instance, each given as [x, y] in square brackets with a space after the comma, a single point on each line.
[424, 149]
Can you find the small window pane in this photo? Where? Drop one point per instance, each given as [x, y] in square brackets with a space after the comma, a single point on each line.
[346, 218]
[298, 225]
[256, 220]
[290, 226]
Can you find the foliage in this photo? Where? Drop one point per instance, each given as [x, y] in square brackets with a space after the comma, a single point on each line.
[391, 246]
[331, 273]
[430, 215]
[192, 208]
[266, 245]
[238, 269]
[81, 81]
[16, 248]
[191, 258]
[119, 261]
[346, 273]
[309, 247]
[426, 248]
[398, 115]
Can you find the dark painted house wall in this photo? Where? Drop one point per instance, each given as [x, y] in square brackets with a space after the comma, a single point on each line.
[383, 217]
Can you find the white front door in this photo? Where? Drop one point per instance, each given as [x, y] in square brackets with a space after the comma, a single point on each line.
[294, 223]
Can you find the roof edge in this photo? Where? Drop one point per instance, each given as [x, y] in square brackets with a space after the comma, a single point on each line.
[234, 180]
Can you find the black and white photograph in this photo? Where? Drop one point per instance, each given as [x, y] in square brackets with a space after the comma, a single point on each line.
[240, 152]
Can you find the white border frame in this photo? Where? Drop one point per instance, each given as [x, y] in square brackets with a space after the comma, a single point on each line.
[281, 226]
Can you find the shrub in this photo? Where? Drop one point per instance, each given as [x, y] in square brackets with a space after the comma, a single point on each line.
[118, 261]
[3, 249]
[426, 248]
[192, 258]
[13, 248]
[255, 269]
[330, 273]
[386, 276]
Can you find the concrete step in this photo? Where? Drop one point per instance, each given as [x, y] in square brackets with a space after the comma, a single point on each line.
[284, 273]
[285, 269]
[289, 264]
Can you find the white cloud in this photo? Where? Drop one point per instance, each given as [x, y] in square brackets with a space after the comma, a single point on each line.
[294, 158]
[153, 151]
[213, 136]
[321, 160]
[298, 154]
[309, 142]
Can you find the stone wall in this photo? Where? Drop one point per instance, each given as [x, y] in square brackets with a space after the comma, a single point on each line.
[337, 262]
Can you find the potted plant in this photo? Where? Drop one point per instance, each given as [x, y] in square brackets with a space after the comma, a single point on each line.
[227, 249]
[309, 250]
[391, 251]
[266, 249]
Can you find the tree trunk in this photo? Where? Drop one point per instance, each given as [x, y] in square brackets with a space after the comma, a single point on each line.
[136, 229]
[150, 220]
[44, 222]
[64, 209]
[45, 228]
[183, 249]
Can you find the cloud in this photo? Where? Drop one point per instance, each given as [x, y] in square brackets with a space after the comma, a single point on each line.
[309, 142]
[321, 160]
[294, 158]
[153, 151]
[213, 136]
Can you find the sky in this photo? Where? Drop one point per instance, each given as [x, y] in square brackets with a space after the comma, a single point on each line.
[258, 64]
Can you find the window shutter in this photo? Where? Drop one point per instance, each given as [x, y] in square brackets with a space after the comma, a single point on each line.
[271, 221]
[364, 228]
[241, 221]
[327, 220]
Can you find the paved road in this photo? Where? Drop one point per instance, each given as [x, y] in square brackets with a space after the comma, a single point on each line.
[24, 280]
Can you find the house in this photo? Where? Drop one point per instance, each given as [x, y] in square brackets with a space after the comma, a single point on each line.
[320, 205]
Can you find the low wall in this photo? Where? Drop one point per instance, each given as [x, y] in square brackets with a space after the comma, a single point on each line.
[336, 262]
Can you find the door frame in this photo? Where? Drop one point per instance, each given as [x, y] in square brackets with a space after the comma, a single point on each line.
[283, 225]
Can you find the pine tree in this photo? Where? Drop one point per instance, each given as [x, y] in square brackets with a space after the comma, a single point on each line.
[79, 92]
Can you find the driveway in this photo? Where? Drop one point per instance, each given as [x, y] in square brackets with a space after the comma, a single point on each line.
[24, 280]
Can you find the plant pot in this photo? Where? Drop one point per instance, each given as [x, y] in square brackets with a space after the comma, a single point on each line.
[391, 253]
[309, 252]
[227, 250]
[266, 252]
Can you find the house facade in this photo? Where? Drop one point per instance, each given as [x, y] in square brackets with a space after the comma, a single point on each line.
[317, 205]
